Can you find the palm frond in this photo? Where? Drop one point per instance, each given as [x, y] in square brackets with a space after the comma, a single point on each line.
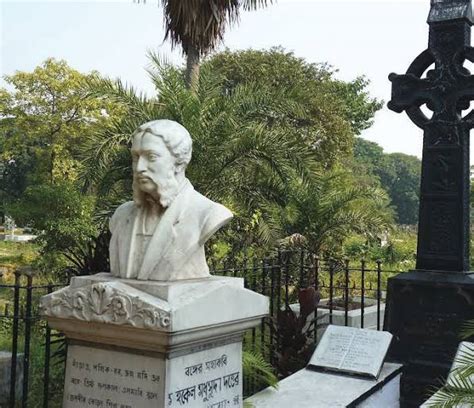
[257, 370]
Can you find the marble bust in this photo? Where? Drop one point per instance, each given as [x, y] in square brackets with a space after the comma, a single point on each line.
[160, 235]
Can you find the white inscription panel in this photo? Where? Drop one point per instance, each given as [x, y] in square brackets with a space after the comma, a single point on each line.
[112, 379]
[206, 379]
[359, 351]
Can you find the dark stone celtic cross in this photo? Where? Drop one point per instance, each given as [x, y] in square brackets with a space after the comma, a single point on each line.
[447, 89]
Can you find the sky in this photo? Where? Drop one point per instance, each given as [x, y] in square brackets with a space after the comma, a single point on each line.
[370, 38]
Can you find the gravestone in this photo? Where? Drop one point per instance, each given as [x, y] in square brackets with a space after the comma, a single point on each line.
[351, 350]
[158, 331]
[427, 306]
[346, 370]
[5, 376]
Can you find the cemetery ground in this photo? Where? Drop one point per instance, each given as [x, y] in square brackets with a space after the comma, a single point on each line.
[396, 254]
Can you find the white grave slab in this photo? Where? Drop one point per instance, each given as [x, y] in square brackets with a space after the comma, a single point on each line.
[312, 389]
[351, 350]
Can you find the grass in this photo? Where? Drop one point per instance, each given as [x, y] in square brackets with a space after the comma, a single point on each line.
[16, 254]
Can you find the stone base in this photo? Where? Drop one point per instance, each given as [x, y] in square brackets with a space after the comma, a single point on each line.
[5, 372]
[425, 311]
[121, 378]
[154, 344]
[312, 389]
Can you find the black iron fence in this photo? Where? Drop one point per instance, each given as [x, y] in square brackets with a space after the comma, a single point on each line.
[34, 347]
[351, 294]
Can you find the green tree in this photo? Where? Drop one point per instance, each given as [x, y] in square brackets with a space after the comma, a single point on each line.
[237, 160]
[333, 111]
[44, 119]
[399, 175]
[334, 205]
[240, 158]
[63, 217]
[198, 26]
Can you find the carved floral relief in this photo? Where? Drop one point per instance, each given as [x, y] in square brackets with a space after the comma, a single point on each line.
[104, 304]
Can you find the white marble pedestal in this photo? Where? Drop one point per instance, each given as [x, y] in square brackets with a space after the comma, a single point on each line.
[142, 344]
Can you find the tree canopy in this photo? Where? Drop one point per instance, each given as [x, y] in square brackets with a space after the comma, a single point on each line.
[262, 150]
[198, 26]
[399, 174]
[331, 111]
[44, 119]
[271, 137]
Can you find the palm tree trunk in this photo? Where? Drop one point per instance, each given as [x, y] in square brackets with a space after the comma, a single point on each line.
[192, 67]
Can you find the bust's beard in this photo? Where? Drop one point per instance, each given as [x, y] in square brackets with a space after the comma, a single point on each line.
[167, 189]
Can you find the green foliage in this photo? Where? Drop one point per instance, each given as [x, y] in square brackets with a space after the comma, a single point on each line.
[44, 119]
[237, 159]
[62, 215]
[399, 174]
[332, 111]
[256, 370]
[397, 253]
[330, 208]
[270, 149]
[459, 389]
[259, 149]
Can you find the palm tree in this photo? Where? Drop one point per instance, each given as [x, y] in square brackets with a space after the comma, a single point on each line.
[198, 26]
[237, 159]
[268, 175]
[320, 215]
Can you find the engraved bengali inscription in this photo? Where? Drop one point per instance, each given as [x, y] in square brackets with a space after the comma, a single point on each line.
[210, 378]
[112, 379]
[104, 303]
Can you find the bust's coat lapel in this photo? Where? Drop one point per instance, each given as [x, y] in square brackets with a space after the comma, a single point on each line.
[130, 232]
[164, 235]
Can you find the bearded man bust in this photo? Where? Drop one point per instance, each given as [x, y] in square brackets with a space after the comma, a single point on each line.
[160, 235]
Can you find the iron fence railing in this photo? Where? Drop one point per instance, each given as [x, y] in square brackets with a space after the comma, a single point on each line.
[38, 353]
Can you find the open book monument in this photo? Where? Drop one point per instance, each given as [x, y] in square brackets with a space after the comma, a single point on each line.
[346, 370]
[352, 351]
[158, 331]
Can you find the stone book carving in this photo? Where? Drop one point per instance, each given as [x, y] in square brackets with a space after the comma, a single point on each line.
[352, 351]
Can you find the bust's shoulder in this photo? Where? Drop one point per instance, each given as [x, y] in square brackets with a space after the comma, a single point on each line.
[212, 215]
[122, 211]
[203, 204]
[124, 208]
